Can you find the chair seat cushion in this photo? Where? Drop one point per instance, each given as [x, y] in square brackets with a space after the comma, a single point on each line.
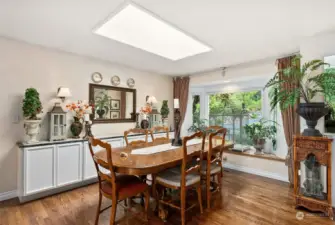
[126, 186]
[215, 168]
[173, 177]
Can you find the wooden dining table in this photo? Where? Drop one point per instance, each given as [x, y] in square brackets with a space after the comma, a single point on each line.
[125, 162]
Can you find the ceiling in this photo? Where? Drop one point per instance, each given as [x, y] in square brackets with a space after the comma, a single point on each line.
[239, 31]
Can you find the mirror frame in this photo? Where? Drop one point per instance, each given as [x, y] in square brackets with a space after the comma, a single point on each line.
[91, 99]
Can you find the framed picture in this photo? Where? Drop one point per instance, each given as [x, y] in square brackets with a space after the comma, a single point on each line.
[115, 104]
[115, 115]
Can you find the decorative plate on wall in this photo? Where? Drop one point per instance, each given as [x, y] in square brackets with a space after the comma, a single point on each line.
[131, 82]
[115, 80]
[96, 77]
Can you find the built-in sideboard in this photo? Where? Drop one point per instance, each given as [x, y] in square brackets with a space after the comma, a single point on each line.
[47, 168]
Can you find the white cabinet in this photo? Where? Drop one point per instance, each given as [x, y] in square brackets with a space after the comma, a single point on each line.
[69, 165]
[39, 169]
[115, 142]
[89, 168]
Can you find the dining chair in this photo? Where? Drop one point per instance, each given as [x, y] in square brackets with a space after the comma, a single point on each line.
[212, 129]
[183, 177]
[112, 186]
[136, 143]
[160, 129]
[212, 166]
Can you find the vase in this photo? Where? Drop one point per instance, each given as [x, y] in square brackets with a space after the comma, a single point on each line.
[165, 122]
[144, 122]
[101, 113]
[32, 128]
[76, 127]
[259, 145]
[312, 112]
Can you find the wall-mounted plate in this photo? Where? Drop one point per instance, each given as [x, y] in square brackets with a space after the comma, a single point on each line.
[96, 77]
[115, 80]
[131, 82]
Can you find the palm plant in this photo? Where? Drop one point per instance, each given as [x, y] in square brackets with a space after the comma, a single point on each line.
[305, 83]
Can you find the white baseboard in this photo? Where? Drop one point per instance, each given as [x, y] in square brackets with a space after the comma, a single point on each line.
[8, 195]
[255, 171]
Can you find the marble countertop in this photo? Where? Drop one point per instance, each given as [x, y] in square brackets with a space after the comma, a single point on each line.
[73, 140]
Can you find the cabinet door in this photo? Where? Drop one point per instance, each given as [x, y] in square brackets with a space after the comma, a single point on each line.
[115, 143]
[39, 169]
[89, 168]
[69, 163]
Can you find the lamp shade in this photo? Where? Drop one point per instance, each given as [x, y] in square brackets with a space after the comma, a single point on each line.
[176, 103]
[63, 92]
[152, 100]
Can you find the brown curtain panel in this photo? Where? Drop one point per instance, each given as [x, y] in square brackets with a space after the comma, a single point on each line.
[291, 120]
[180, 91]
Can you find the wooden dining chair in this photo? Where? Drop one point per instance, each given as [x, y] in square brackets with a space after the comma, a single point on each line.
[115, 187]
[183, 177]
[160, 139]
[212, 166]
[136, 143]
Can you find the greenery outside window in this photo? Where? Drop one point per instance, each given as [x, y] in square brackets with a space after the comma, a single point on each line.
[235, 110]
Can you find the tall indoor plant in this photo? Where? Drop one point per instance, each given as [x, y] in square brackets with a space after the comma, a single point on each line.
[305, 85]
[165, 111]
[31, 108]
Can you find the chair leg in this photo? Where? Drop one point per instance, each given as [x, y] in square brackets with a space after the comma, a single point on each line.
[98, 210]
[200, 198]
[220, 184]
[146, 206]
[113, 211]
[208, 192]
[183, 205]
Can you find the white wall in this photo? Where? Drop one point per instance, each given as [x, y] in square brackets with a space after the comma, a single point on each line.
[23, 66]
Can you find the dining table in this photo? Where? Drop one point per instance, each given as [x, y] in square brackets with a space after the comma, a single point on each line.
[150, 158]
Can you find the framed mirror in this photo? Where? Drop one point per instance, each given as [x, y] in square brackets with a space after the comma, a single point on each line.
[112, 104]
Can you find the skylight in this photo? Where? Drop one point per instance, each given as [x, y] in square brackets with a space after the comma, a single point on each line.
[139, 29]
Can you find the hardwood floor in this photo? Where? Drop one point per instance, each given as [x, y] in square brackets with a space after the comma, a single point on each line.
[247, 200]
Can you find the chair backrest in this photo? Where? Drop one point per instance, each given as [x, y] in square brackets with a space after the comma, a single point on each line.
[189, 164]
[110, 177]
[137, 142]
[213, 128]
[213, 148]
[160, 129]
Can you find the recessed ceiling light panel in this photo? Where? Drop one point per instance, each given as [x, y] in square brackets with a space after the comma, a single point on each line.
[142, 30]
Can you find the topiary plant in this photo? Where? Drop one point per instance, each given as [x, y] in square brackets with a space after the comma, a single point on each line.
[165, 109]
[31, 104]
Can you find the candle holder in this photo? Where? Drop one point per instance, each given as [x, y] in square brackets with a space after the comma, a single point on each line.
[176, 141]
[88, 131]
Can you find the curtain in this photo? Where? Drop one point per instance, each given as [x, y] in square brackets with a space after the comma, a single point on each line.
[291, 120]
[180, 91]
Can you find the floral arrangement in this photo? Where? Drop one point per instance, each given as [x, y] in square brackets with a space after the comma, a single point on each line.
[79, 108]
[146, 109]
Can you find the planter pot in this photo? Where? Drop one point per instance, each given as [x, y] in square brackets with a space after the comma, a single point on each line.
[101, 113]
[312, 112]
[330, 126]
[76, 127]
[165, 122]
[32, 128]
[259, 145]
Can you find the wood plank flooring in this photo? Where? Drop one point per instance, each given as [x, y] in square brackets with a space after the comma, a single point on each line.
[247, 200]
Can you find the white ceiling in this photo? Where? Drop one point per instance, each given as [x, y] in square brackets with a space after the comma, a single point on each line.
[238, 30]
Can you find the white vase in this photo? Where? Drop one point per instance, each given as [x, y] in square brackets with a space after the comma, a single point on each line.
[32, 128]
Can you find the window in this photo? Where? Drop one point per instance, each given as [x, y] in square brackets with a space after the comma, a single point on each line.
[233, 111]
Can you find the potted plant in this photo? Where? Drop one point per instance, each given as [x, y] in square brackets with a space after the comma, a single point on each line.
[198, 125]
[78, 109]
[260, 131]
[330, 119]
[165, 112]
[31, 108]
[305, 86]
[101, 104]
